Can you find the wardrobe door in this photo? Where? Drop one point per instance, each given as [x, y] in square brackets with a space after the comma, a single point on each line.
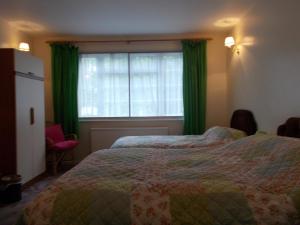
[25, 135]
[39, 155]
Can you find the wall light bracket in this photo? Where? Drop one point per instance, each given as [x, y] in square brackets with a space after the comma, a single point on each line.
[236, 49]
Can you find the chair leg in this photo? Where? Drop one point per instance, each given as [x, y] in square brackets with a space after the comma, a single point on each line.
[54, 163]
[73, 158]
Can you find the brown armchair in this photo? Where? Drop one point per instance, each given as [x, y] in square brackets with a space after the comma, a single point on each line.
[291, 128]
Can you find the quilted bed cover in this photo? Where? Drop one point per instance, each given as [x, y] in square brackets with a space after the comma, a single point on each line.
[180, 141]
[212, 137]
[253, 180]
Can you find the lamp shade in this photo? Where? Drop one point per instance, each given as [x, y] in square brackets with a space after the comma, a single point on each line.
[23, 46]
[229, 42]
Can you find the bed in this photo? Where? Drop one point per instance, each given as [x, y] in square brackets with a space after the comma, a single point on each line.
[242, 123]
[252, 180]
[214, 136]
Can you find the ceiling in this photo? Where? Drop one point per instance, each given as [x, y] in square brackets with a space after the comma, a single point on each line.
[120, 17]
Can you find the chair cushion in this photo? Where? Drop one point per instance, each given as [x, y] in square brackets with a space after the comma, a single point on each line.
[64, 145]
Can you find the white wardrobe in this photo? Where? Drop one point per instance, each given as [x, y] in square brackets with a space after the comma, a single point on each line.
[23, 120]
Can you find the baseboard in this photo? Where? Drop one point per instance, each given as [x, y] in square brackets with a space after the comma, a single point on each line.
[34, 180]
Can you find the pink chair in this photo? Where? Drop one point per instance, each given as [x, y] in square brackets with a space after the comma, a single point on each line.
[58, 144]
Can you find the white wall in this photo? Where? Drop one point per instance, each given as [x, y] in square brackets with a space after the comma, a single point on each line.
[217, 106]
[10, 37]
[265, 77]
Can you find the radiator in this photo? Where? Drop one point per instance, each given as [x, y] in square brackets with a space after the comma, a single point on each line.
[102, 138]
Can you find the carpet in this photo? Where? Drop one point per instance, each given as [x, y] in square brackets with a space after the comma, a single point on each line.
[9, 213]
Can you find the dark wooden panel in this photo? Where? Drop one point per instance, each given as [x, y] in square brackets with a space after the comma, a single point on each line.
[7, 113]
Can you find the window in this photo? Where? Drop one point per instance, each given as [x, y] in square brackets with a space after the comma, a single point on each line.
[130, 85]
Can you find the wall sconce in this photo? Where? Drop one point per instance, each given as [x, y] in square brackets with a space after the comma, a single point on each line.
[23, 46]
[230, 43]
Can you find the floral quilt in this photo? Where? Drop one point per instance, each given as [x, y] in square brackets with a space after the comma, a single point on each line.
[212, 137]
[253, 180]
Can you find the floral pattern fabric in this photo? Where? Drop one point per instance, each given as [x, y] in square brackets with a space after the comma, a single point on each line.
[250, 181]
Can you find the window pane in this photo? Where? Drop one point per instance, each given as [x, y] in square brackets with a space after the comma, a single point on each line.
[156, 84]
[103, 85]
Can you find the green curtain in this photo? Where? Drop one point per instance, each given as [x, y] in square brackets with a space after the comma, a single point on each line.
[64, 86]
[194, 85]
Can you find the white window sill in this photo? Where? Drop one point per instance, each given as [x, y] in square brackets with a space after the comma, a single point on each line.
[166, 118]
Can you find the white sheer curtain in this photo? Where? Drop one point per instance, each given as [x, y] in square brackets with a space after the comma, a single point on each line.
[103, 88]
[155, 85]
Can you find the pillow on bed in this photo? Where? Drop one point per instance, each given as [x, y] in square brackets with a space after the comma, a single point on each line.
[260, 145]
[224, 133]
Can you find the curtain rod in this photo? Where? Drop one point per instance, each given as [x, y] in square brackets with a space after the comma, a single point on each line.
[128, 41]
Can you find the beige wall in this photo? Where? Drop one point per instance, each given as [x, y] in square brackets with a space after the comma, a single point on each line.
[265, 77]
[217, 110]
[10, 37]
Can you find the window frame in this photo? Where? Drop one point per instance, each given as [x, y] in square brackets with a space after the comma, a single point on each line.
[129, 118]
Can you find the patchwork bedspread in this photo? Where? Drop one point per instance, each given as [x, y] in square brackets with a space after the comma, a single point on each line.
[254, 180]
[180, 141]
[212, 137]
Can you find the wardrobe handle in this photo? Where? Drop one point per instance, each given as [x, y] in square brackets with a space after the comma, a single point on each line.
[31, 116]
